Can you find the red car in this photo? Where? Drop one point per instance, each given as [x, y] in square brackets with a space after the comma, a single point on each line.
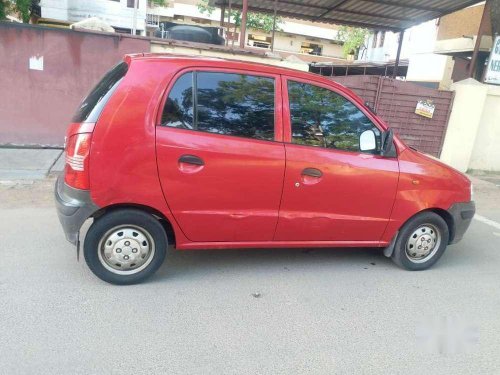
[206, 153]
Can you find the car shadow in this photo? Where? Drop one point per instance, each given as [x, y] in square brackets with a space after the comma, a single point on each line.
[202, 263]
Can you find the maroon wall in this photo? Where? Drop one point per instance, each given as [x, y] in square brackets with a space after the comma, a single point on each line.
[36, 106]
[395, 102]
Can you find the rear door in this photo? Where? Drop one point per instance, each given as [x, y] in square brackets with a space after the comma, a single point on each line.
[332, 191]
[220, 154]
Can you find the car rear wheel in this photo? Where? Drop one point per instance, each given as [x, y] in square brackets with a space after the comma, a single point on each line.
[421, 242]
[125, 246]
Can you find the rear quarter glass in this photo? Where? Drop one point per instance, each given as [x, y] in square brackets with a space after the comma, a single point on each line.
[92, 106]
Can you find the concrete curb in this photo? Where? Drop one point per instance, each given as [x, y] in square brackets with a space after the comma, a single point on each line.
[29, 164]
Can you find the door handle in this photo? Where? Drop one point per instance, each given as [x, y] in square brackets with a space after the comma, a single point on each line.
[191, 159]
[312, 172]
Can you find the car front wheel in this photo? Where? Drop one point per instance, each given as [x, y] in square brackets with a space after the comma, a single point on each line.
[421, 242]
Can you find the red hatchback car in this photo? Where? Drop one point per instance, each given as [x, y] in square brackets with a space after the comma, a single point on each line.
[208, 153]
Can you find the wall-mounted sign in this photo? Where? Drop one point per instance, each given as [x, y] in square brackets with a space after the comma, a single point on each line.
[36, 63]
[493, 69]
[425, 108]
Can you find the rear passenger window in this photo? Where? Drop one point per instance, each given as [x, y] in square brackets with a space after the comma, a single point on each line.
[223, 103]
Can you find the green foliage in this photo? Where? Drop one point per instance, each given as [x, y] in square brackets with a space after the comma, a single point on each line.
[354, 39]
[24, 9]
[3, 11]
[6, 8]
[205, 8]
[21, 7]
[256, 21]
[259, 21]
[160, 3]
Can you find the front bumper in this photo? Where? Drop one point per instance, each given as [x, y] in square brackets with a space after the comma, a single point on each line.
[462, 214]
[74, 206]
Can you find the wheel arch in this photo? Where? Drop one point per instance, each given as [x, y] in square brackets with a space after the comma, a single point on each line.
[166, 224]
[445, 215]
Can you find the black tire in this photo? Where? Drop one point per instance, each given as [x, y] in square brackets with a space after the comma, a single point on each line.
[425, 221]
[146, 225]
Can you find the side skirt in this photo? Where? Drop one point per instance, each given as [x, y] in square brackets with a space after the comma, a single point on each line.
[277, 244]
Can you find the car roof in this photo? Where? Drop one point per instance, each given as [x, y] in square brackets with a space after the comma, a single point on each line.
[209, 61]
[225, 62]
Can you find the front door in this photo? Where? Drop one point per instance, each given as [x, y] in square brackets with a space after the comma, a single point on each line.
[332, 191]
[221, 159]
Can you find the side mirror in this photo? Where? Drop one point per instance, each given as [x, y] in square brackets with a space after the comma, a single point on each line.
[387, 138]
[367, 141]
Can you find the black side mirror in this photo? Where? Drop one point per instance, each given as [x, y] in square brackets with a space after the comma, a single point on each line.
[386, 146]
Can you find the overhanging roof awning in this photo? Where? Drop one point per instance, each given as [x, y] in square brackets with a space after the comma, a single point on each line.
[360, 68]
[374, 14]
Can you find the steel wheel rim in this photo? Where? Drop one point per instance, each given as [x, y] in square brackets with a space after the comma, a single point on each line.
[423, 243]
[126, 249]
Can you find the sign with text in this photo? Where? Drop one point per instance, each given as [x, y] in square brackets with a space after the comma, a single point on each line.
[425, 108]
[493, 69]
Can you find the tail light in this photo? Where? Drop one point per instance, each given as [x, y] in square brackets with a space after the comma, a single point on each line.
[76, 170]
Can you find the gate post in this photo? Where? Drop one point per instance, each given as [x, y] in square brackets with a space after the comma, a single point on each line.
[463, 125]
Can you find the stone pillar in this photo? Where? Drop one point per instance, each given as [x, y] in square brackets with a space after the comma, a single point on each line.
[465, 119]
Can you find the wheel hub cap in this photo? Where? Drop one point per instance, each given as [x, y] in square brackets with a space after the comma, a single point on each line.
[423, 243]
[126, 249]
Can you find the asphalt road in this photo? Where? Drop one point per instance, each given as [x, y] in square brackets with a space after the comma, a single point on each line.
[245, 311]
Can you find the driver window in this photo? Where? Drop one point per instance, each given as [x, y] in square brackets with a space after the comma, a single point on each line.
[322, 118]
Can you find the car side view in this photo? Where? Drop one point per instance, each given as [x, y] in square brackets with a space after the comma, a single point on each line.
[205, 153]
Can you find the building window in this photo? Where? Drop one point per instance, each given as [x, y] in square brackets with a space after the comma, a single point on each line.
[261, 41]
[311, 48]
[130, 3]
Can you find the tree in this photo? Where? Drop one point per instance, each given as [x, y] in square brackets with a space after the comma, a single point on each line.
[354, 39]
[21, 7]
[160, 3]
[258, 21]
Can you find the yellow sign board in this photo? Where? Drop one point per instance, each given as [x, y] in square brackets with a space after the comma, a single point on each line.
[425, 108]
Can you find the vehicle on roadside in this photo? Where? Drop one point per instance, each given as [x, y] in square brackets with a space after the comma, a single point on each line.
[205, 153]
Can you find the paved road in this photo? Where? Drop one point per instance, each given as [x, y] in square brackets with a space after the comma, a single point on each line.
[321, 311]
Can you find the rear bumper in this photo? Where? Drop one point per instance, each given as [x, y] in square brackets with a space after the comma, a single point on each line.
[74, 206]
[462, 214]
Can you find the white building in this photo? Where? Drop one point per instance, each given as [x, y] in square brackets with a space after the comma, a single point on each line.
[424, 66]
[117, 13]
[304, 39]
